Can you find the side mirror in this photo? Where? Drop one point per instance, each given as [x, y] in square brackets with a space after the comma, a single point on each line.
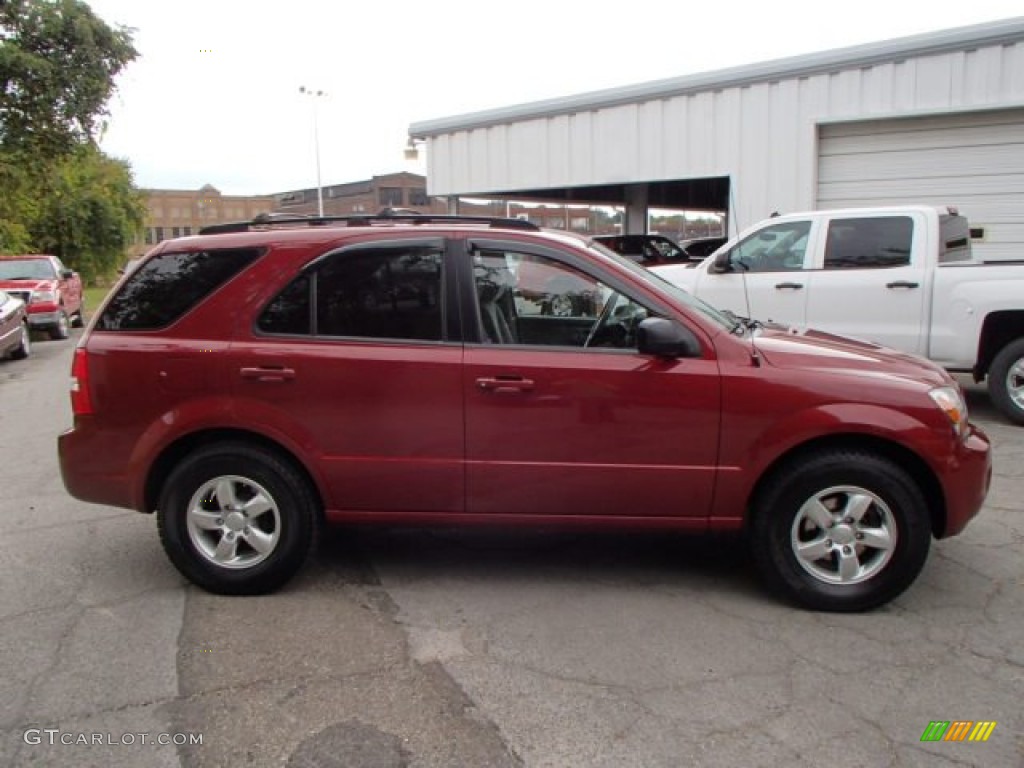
[67, 274]
[721, 264]
[665, 338]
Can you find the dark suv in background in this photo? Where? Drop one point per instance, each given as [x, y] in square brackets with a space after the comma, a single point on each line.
[256, 381]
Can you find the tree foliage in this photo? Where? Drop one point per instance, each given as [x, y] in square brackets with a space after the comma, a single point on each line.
[58, 61]
[91, 214]
[58, 192]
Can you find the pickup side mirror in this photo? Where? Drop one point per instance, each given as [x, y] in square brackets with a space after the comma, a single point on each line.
[721, 264]
[67, 274]
[665, 338]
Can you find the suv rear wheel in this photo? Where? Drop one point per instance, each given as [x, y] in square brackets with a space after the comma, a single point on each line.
[844, 531]
[236, 519]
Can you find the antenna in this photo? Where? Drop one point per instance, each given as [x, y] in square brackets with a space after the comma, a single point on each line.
[755, 358]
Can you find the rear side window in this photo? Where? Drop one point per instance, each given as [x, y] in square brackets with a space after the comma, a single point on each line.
[381, 294]
[376, 293]
[881, 241]
[169, 285]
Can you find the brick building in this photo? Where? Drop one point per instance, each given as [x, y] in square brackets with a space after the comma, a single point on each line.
[181, 212]
[394, 190]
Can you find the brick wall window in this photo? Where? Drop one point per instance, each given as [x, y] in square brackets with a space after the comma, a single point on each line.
[391, 196]
[418, 196]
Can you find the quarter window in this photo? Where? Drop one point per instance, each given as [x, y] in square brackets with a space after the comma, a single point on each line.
[883, 241]
[168, 285]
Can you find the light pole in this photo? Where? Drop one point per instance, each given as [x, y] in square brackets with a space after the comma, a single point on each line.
[316, 146]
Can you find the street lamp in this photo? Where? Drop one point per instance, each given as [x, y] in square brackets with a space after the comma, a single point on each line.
[316, 145]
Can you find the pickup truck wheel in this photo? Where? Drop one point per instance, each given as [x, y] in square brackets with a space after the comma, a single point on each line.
[1006, 381]
[24, 348]
[842, 531]
[235, 519]
[61, 329]
[78, 319]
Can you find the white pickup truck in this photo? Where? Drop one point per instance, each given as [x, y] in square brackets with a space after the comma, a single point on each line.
[902, 277]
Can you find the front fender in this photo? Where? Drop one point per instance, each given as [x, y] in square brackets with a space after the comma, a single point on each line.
[741, 471]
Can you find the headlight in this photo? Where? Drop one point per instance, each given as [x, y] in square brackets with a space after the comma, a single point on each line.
[47, 296]
[951, 401]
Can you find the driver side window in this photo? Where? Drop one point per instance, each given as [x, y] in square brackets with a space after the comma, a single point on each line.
[777, 248]
[527, 299]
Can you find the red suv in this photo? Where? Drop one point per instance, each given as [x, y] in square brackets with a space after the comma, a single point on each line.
[256, 381]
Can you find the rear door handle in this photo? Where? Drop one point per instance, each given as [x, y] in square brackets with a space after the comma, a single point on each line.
[501, 385]
[268, 374]
[902, 284]
[791, 286]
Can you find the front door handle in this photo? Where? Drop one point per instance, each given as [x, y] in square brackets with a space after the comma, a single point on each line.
[501, 385]
[902, 284]
[791, 286]
[268, 374]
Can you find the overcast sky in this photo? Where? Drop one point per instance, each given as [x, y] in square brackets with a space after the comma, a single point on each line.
[214, 96]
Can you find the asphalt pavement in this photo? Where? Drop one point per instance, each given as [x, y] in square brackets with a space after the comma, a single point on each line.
[450, 648]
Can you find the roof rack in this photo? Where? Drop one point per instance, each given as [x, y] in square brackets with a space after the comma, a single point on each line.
[272, 221]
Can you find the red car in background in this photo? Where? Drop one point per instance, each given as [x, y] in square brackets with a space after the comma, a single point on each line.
[52, 293]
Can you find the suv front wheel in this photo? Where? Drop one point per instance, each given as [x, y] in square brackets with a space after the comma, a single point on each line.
[237, 520]
[843, 531]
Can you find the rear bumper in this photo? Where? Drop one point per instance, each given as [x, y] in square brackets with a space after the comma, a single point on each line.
[85, 468]
[966, 481]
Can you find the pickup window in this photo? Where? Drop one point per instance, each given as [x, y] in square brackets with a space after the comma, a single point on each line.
[882, 241]
[777, 248]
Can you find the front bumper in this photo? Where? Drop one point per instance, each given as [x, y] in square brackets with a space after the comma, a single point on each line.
[44, 319]
[966, 480]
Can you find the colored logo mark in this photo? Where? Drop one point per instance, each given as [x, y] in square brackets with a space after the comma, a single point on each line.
[958, 730]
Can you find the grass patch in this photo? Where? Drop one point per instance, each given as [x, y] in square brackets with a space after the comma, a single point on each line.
[93, 297]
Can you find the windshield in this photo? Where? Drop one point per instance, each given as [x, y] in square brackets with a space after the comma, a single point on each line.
[674, 291]
[26, 269]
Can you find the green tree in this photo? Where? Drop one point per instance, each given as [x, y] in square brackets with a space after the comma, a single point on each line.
[58, 61]
[91, 214]
[58, 192]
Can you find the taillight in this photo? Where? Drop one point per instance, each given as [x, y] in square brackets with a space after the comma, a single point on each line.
[81, 401]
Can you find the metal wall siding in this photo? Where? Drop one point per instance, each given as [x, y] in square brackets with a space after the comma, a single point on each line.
[972, 160]
[762, 134]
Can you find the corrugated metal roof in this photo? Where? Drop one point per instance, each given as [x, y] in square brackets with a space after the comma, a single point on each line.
[990, 33]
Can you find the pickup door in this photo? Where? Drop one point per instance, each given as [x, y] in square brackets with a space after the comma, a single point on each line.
[870, 279]
[861, 275]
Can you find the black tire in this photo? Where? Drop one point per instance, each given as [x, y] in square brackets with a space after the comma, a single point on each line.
[194, 521]
[24, 349]
[892, 502]
[1006, 381]
[78, 319]
[61, 329]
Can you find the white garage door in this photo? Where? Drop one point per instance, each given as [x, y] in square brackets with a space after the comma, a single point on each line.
[974, 161]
